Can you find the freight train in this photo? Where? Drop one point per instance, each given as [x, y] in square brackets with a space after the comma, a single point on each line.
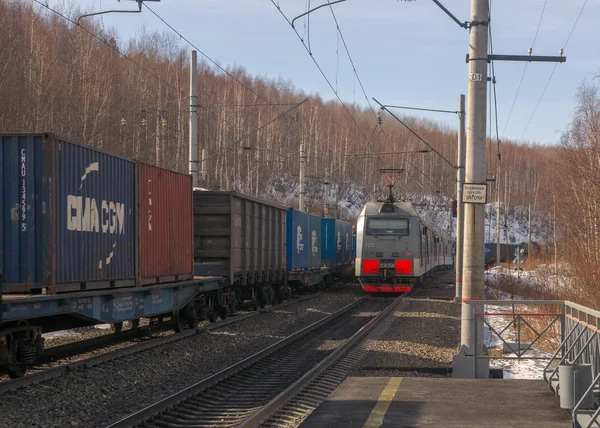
[396, 247]
[90, 238]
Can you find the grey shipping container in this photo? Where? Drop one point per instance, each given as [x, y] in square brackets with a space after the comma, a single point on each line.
[239, 237]
[67, 213]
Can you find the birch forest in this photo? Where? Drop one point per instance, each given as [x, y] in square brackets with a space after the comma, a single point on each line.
[131, 98]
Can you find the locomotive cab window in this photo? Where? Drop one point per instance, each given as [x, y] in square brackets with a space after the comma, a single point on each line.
[387, 226]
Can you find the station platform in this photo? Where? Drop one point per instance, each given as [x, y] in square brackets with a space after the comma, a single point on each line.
[439, 402]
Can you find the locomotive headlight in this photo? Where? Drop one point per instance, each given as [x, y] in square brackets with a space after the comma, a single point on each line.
[370, 267]
[403, 267]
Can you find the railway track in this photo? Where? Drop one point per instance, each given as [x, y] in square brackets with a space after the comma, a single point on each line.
[252, 390]
[53, 365]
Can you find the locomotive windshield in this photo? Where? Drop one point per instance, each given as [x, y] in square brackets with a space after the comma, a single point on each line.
[387, 226]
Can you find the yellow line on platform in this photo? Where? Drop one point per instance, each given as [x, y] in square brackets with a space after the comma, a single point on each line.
[383, 404]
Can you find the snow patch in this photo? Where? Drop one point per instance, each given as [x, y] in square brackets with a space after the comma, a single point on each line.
[512, 369]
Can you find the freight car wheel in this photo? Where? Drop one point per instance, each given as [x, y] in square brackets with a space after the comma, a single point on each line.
[179, 322]
[262, 298]
[116, 327]
[190, 315]
[255, 300]
[200, 309]
[271, 295]
[223, 311]
[16, 370]
[135, 324]
[192, 323]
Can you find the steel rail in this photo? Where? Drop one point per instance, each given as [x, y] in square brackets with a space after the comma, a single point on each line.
[54, 372]
[105, 339]
[162, 405]
[279, 401]
[113, 338]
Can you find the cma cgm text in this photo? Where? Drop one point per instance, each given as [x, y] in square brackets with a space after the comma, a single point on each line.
[83, 215]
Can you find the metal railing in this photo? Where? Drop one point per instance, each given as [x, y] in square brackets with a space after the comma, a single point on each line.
[578, 336]
[580, 345]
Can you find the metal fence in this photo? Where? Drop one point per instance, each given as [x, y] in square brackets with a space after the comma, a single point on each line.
[577, 341]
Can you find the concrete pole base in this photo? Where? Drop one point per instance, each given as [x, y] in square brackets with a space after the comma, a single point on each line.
[462, 367]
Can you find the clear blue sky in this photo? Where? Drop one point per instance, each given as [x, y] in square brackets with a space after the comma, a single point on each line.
[406, 53]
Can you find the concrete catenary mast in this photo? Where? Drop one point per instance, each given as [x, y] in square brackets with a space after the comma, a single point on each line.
[460, 179]
[475, 173]
[193, 168]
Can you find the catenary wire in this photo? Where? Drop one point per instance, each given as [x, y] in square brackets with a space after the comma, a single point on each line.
[320, 70]
[113, 47]
[248, 88]
[524, 70]
[339, 30]
[552, 73]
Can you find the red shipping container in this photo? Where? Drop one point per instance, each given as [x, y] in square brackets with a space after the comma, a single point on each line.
[165, 225]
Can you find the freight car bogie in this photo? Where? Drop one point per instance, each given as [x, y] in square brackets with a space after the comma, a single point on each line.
[185, 302]
[20, 346]
[258, 294]
[209, 306]
[309, 280]
[116, 327]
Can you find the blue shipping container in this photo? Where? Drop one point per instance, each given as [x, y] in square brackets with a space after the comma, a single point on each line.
[339, 242]
[67, 213]
[314, 257]
[327, 241]
[490, 249]
[347, 242]
[298, 241]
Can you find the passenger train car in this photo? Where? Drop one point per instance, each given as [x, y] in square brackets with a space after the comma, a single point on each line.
[395, 248]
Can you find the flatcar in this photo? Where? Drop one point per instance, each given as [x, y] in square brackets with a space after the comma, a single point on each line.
[395, 247]
[90, 238]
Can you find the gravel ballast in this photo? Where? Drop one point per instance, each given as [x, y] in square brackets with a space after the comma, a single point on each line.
[98, 396]
[424, 335]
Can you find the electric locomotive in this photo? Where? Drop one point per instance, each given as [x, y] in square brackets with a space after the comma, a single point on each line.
[395, 247]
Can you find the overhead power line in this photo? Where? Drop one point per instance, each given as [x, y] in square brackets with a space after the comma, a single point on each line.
[189, 42]
[113, 47]
[423, 109]
[539, 25]
[312, 10]
[320, 70]
[494, 87]
[524, 70]
[576, 22]
[553, 70]
[255, 131]
[538, 102]
[227, 73]
[414, 133]
[339, 30]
